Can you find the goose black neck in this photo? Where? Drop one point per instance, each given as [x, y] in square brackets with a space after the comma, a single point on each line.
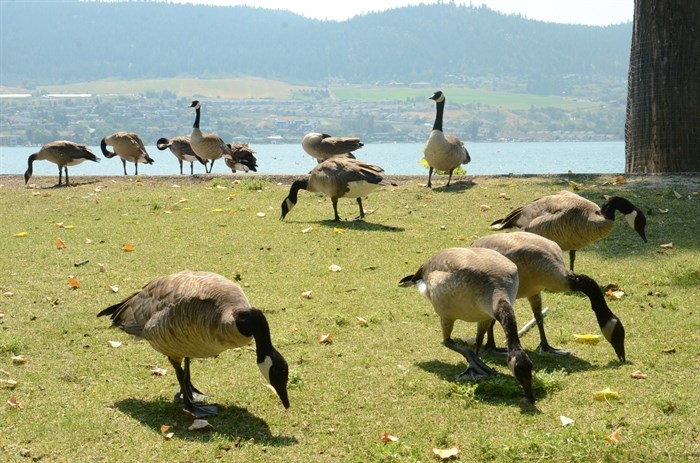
[196, 118]
[616, 203]
[439, 111]
[588, 286]
[252, 322]
[294, 190]
[506, 317]
[105, 151]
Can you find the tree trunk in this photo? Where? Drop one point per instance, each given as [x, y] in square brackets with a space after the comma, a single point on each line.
[662, 130]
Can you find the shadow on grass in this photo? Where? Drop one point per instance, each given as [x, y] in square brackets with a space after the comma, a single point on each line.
[233, 422]
[56, 186]
[455, 186]
[360, 225]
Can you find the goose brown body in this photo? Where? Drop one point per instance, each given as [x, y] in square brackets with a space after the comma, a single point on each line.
[322, 146]
[443, 152]
[475, 285]
[198, 315]
[128, 146]
[63, 153]
[541, 266]
[338, 177]
[181, 149]
[571, 221]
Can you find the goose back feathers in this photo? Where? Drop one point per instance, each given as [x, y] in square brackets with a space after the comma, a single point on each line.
[63, 153]
[338, 177]
[128, 146]
[181, 148]
[198, 315]
[475, 285]
[322, 146]
[541, 266]
[571, 221]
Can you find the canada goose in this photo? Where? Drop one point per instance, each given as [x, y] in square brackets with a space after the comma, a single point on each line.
[63, 153]
[211, 147]
[322, 146]
[541, 266]
[180, 147]
[475, 285]
[337, 177]
[443, 152]
[242, 157]
[128, 146]
[197, 315]
[572, 221]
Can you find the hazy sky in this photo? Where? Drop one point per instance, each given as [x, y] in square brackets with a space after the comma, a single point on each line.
[593, 12]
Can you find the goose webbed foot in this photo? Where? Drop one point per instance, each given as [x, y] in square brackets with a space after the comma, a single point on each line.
[546, 348]
[198, 396]
[200, 411]
[477, 369]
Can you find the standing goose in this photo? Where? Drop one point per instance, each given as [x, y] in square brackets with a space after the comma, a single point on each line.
[128, 146]
[338, 177]
[322, 146]
[197, 315]
[211, 147]
[475, 285]
[62, 153]
[443, 152]
[180, 147]
[572, 221]
[541, 266]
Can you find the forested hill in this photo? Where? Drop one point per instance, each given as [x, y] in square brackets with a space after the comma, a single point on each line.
[60, 42]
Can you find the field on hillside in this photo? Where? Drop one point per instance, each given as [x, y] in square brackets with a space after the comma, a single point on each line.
[370, 380]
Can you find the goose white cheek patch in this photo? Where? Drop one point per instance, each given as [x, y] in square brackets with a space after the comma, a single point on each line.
[265, 367]
[630, 218]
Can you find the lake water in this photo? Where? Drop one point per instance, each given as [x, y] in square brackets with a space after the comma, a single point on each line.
[396, 159]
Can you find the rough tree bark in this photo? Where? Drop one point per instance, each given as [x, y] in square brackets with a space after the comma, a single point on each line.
[662, 130]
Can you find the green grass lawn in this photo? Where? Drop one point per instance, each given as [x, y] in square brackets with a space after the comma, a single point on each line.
[86, 401]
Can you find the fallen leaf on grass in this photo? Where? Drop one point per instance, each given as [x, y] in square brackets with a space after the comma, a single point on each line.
[128, 247]
[606, 394]
[19, 359]
[60, 244]
[199, 424]
[307, 230]
[666, 246]
[615, 437]
[565, 420]
[156, 371]
[484, 207]
[325, 338]
[446, 454]
[115, 343]
[261, 215]
[73, 283]
[677, 194]
[14, 402]
[338, 230]
[21, 234]
[587, 338]
[663, 211]
[307, 294]
[335, 268]
[166, 432]
[671, 350]
[114, 288]
[638, 375]
[68, 227]
[385, 437]
[615, 294]
[217, 210]
[8, 383]
[362, 321]
[102, 267]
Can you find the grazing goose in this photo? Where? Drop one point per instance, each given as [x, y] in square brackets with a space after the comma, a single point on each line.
[475, 285]
[242, 157]
[338, 177]
[572, 221]
[211, 147]
[322, 146]
[541, 266]
[197, 315]
[443, 152]
[128, 146]
[62, 153]
[180, 147]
